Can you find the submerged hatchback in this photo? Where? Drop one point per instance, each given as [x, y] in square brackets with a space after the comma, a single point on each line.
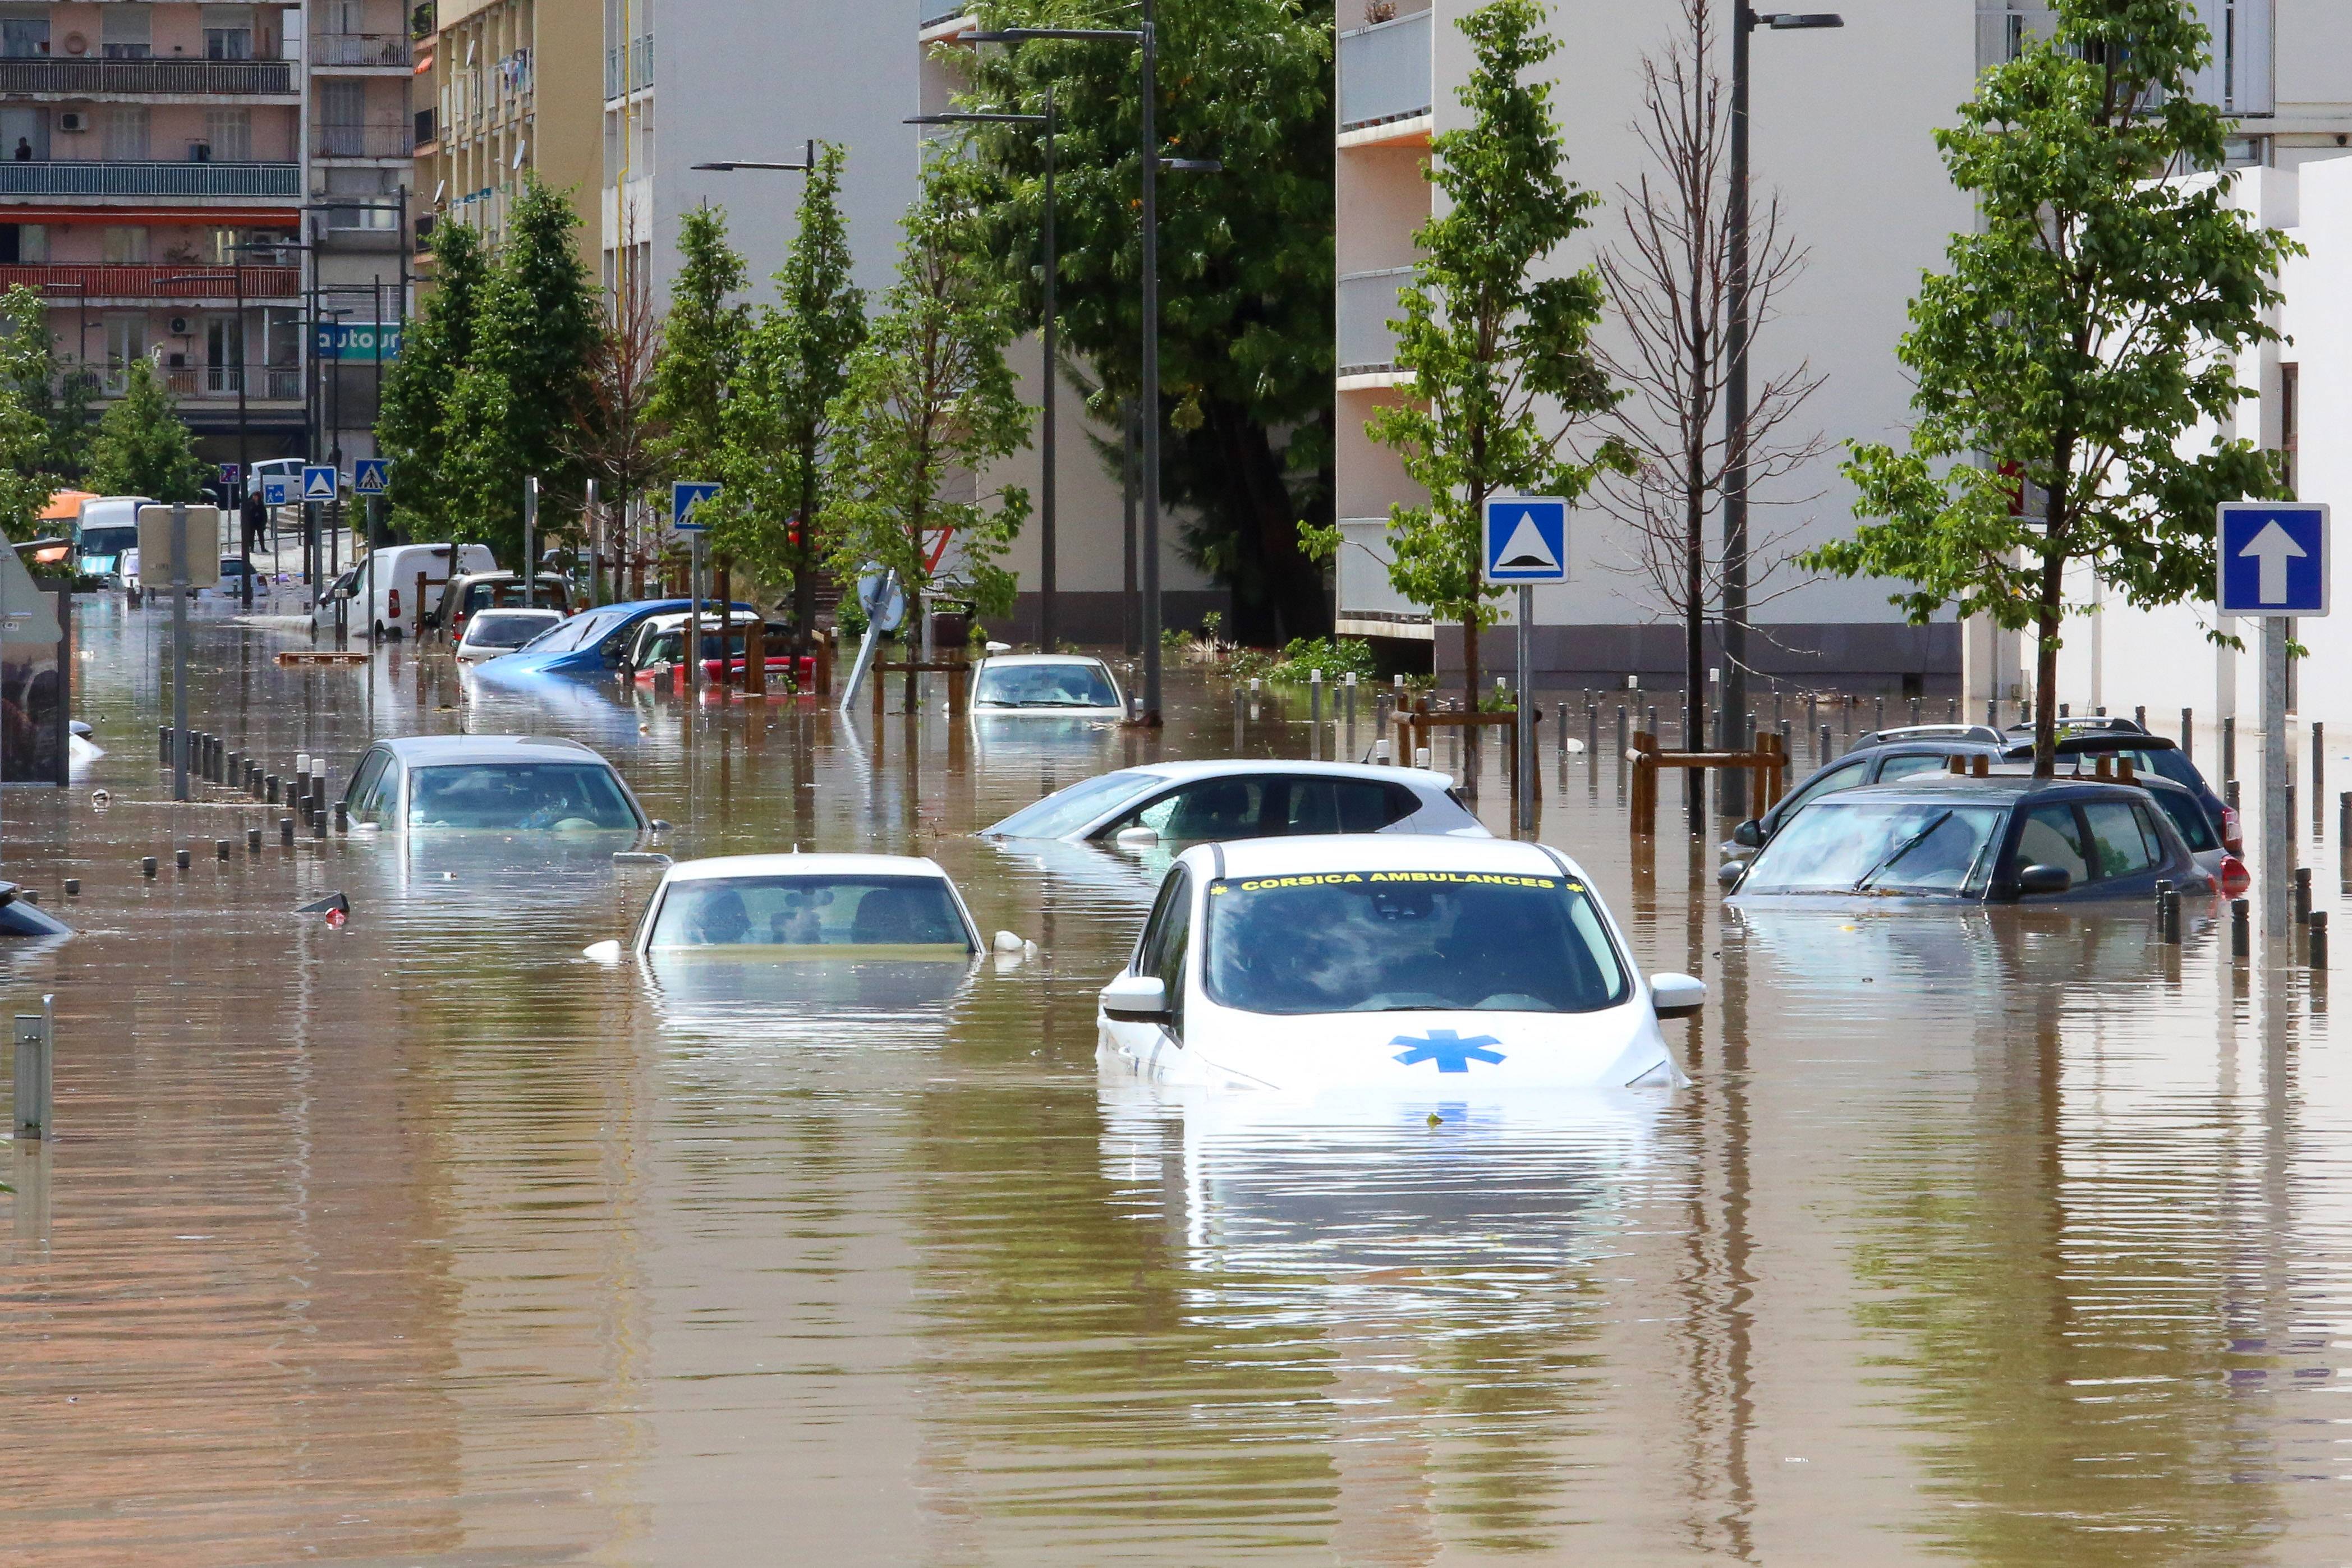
[506, 783]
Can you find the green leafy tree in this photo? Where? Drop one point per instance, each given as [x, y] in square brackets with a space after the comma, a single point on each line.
[27, 471]
[412, 426]
[701, 348]
[143, 447]
[1495, 354]
[60, 399]
[927, 398]
[779, 432]
[1246, 275]
[517, 399]
[2078, 336]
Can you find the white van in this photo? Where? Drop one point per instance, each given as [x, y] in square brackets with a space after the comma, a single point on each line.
[382, 590]
[107, 527]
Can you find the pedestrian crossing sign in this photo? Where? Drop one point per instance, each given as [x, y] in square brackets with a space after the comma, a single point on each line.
[372, 476]
[317, 482]
[1526, 539]
[686, 500]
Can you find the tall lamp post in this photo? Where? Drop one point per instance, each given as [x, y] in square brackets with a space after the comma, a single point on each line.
[1048, 621]
[1734, 712]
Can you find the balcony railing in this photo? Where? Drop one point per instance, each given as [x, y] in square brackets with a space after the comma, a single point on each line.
[204, 384]
[1368, 303]
[634, 64]
[1385, 71]
[1360, 573]
[394, 140]
[92, 178]
[359, 50]
[169, 285]
[100, 78]
[929, 13]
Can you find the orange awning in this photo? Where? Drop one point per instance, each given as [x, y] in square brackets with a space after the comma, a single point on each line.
[65, 506]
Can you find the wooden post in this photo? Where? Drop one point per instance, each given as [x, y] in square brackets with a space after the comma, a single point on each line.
[959, 689]
[874, 678]
[726, 617]
[823, 651]
[420, 607]
[755, 669]
[1646, 784]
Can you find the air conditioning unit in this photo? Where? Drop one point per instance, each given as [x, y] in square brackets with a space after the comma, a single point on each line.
[182, 326]
[73, 120]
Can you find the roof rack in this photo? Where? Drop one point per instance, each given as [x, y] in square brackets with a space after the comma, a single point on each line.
[2087, 721]
[1977, 732]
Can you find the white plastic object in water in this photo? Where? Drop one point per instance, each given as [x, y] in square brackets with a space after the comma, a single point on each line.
[1006, 942]
[602, 952]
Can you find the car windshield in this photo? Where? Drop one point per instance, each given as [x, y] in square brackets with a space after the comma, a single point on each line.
[570, 797]
[581, 631]
[508, 628]
[1844, 845]
[1044, 685]
[1409, 941]
[108, 541]
[809, 912]
[1069, 810]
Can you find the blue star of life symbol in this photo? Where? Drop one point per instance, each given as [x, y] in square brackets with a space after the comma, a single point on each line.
[1448, 1049]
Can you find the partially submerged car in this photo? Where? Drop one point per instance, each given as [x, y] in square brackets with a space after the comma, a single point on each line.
[1046, 685]
[593, 643]
[803, 906]
[2001, 840]
[1355, 962]
[504, 783]
[1238, 798]
[492, 634]
[659, 645]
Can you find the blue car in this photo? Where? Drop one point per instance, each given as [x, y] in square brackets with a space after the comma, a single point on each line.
[591, 644]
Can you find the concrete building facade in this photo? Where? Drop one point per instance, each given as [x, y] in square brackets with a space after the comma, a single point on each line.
[1842, 125]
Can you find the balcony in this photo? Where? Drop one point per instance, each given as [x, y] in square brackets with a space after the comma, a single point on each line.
[1368, 604]
[92, 178]
[392, 139]
[205, 384]
[360, 51]
[932, 13]
[1385, 72]
[629, 70]
[2239, 80]
[1368, 303]
[110, 78]
[166, 285]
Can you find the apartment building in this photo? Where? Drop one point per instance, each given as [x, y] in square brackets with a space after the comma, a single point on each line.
[1841, 124]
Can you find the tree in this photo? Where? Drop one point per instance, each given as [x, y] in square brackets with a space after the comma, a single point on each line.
[144, 448]
[60, 399]
[618, 439]
[929, 398]
[1669, 278]
[413, 425]
[26, 476]
[780, 431]
[1495, 353]
[517, 401]
[2080, 331]
[1246, 336]
[701, 348]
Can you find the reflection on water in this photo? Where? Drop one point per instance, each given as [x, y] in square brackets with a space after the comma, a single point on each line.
[1999, 1237]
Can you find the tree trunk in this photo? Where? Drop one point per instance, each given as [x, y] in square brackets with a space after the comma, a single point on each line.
[1277, 589]
[1694, 619]
[2049, 614]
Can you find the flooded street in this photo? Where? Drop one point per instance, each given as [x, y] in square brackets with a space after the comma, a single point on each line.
[2009, 1240]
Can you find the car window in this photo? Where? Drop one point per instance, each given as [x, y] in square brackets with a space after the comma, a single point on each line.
[1861, 843]
[1167, 939]
[2051, 836]
[809, 912]
[1067, 810]
[1845, 776]
[1215, 809]
[2120, 847]
[579, 633]
[1904, 766]
[1043, 686]
[1344, 805]
[2189, 818]
[364, 801]
[519, 796]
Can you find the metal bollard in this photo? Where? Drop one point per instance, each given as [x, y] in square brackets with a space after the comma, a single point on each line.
[1914, 712]
[1315, 699]
[2168, 914]
[73, 887]
[2318, 765]
[2229, 749]
[147, 867]
[318, 825]
[253, 840]
[35, 1071]
[2302, 895]
[2139, 716]
[1350, 700]
[180, 859]
[286, 830]
[270, 788]
[2241, 938]
[1823, 754]
[2188, 735]
[1881, 722]
[1420, 757]
[163, 743]
[1992, 713]
[2318, 944]
[220, 849]
[1592, 734]
[1952, 711]
[342, 818]
[1622, 740]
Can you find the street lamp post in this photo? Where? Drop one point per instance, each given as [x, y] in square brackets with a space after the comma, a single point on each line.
[1048, 621]
[1733, 714]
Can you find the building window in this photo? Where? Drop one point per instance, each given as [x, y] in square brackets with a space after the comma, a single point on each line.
[24, 135]
[126, 339]
[24, 31]
[125, 245]
[126, 133]
[230, 133]
[32, 243]
[228, 32]
[126, 32]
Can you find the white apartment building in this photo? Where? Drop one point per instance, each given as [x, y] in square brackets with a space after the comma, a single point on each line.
[1842, 126]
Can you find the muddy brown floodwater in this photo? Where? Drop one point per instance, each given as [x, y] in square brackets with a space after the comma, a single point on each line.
[2012, 1240]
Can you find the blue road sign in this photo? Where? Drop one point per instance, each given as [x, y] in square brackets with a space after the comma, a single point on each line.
[1526, 539]
[685, 498]
[2273, 557]
[277, 490]
[317, 482]
[372, 476]
[230, 472]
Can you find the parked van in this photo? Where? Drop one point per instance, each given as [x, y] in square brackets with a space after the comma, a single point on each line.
[109, 526]
[382, 591]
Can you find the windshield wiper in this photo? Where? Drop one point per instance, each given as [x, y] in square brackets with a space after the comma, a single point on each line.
[1899, 850]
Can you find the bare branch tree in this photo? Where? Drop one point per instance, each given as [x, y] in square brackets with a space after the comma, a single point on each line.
[1670, 282]
[614, 439]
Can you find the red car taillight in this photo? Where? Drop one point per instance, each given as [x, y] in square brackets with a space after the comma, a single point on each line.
[392, 604]
[2235, 879]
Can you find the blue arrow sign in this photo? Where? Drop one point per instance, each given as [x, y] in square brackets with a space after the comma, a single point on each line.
[277, 490]
[1448, 1049]
[372, 476]
[685, 498]
[1526, 539]
[2273, 558]
[317, 482]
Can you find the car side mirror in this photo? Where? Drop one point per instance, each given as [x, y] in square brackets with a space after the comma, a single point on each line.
[1676, 996]
[1730, 872]
[1137, 999]
[1748, 835]
[1138, 837]
[2043, 881]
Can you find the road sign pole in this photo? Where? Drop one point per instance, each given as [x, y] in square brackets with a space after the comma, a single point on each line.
[179, 651]
[693, 650]
[2277, 871]
[1523, 752]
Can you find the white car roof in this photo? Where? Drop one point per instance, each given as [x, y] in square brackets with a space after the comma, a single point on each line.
[1381, 851]
[1255, 767]
[670, 618]
[432, 750]
[1087, 660]
[720, 866]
